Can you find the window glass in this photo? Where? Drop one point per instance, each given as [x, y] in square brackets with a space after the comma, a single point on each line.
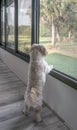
[2, 23]
[10, 24]
[58, 32]
[24, 25]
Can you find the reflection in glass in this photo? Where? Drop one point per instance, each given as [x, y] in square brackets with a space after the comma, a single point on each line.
[10, 25]
[3, 24]
[24, 25]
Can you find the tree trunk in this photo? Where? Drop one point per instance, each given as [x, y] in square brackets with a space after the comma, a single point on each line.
[53, 32]
[69, 35]
[57, 34]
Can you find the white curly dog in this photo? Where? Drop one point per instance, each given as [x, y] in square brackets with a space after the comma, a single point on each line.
[38, 68]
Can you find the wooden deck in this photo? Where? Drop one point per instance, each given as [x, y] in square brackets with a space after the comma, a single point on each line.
[11, 106]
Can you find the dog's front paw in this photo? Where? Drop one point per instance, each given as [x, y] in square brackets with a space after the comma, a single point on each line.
[51, 67]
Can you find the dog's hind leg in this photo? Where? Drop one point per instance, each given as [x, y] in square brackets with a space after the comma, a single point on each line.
[26, 109]
[38, 114]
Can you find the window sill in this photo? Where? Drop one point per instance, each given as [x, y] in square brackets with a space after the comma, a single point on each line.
[20, 55]
[72, 82]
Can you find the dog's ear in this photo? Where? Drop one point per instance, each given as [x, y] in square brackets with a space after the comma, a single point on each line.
[42, 50]
[33, 47]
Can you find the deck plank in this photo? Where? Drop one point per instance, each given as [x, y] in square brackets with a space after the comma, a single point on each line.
[9, 79]
[10, 85]
[11, 95]
[12, 110]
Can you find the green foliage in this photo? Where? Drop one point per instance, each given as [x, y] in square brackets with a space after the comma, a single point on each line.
[64, 13]
[45, 31]
[11, 29]
[24, 30]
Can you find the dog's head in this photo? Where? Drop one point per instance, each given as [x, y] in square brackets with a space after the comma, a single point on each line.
[39, 48]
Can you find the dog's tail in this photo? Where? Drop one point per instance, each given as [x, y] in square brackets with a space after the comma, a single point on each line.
[33, 94]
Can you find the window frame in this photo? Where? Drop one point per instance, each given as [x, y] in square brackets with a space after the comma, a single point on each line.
[66, 79]
[16, 25]
[1, 42]
[0, 23]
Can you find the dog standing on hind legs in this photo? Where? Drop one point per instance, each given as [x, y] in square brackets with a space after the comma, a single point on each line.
[38, 68]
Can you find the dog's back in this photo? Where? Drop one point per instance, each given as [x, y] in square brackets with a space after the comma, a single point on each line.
[36, 74]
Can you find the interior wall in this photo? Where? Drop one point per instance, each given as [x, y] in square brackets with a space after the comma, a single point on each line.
[59, 96]
[62, 99]
[18, 66]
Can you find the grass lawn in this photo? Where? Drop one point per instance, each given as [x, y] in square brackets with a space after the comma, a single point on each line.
[63, 63]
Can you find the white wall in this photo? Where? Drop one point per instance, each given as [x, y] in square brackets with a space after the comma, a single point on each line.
[17, 65]
[62, 99]
[59, 96]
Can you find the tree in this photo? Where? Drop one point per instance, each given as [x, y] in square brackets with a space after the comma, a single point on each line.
[59, 15]
[51, 15]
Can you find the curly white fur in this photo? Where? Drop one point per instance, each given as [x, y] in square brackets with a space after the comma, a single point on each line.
[38, 68]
